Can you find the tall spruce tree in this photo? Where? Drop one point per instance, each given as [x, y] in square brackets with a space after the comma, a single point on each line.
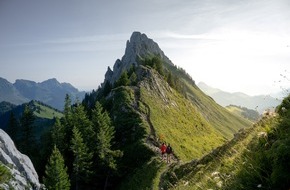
[82, 164]
[123, 80]
[28, 142]
[67, 107]
[58, 135]
[56, 172]
[104, 137]
[158, 65]
[12, 129]
[84, 125]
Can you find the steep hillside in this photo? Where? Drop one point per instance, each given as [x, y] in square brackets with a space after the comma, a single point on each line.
[5, 107]
[177, 120]
[152, 101]
[257, 158]
[259, 103]
[44, 116]
[249, 114]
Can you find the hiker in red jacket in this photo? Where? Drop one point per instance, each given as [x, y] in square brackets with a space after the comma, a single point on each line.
[163, 150]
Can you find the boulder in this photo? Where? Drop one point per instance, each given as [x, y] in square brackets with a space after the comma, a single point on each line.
[23, 173]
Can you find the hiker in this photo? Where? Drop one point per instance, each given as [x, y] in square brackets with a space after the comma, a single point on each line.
[163, 150]
[168, 152]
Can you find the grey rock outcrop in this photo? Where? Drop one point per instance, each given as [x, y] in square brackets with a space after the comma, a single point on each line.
[139, 46]
[23, 173]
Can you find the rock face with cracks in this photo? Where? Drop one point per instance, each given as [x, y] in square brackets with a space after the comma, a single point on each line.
[138, 46]
[23, 173]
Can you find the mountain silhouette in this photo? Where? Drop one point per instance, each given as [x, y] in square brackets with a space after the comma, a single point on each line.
[50, 92]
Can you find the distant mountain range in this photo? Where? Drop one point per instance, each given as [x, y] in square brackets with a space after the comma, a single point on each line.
[50, 92]
[259, 103]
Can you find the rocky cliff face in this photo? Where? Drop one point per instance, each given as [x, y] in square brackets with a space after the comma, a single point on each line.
[23, 173]
[139, 46]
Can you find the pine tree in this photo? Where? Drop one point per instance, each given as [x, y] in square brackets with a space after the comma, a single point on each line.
[67, 125]
[58, 135]
[170, 80]
[158, 65]
[123, 80]
[104, 136]
[12, 129]
[81, 121]
[67, 107]
[56, 172]
[82, 164]
[28, 142]
[133, 78]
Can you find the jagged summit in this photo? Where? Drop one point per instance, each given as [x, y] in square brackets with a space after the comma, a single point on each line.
[139, 46]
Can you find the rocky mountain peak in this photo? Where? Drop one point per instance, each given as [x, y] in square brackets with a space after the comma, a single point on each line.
[139, 46]
[50, 82]
[4, 83]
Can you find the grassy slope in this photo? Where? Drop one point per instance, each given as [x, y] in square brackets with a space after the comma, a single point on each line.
[251, 115]
[249, 162]
[178, 120]
[210, 173]
[44, 117]
[178, 123]
[234, 109]
[46, 112]
[192, 126]
[221, 119]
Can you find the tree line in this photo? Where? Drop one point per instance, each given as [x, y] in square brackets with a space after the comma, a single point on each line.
[79, 147]
[84, 142]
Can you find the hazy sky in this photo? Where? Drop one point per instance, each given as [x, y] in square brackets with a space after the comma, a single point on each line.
[240, 45]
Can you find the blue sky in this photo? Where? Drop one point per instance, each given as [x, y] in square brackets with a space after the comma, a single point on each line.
[240, 45]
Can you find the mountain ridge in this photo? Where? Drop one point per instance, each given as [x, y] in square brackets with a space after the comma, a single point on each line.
[259, 103]
[50, 92]
[151, 101]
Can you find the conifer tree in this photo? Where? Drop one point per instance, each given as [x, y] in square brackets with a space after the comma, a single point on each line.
[56, 172]
[82, 164]
[81, 121]
[157, 64]
[58, 135]
[12, 129]
[170, 80]
[67, 125]
[28, 143]
[104, 136]
[123, 80]
[107, 88]
[133, 78]
[67, 107]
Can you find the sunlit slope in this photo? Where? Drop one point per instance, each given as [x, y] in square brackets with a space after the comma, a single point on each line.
[192, 126]
[256, 158]
[220, 118]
